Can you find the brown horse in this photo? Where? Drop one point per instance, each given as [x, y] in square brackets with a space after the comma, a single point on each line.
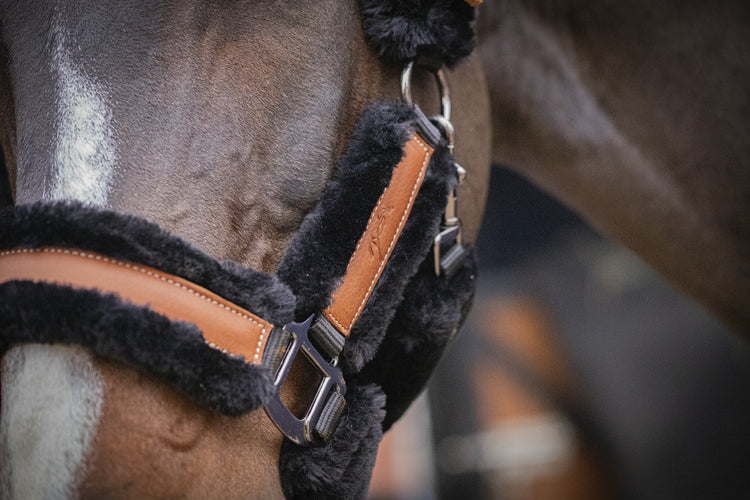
[637, 116]
[221, 122]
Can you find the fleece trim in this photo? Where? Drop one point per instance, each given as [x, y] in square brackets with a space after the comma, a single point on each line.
[172, 350]
[318, 256]
[435, 30]
[432, 310]
[426, 321]
[342, 468]
[126, 237]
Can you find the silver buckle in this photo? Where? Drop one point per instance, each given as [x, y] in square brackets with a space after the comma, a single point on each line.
[302, 431]
[445, 263]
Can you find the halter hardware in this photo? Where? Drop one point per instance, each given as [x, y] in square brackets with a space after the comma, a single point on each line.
[323, 414]
[450, 234]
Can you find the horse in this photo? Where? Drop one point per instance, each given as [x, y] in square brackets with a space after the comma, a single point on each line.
[220, 122]
[636, 116]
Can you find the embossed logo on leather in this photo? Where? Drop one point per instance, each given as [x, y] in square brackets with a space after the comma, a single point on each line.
[378, 246]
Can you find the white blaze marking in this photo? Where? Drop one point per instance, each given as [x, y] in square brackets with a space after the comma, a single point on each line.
[52, 402]
[85, 153]
[52, 395]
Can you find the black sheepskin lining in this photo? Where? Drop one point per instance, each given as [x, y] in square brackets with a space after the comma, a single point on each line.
[426, 321]
[172, 350]
[126, 237]
[409, 252]
[400, 30]
[320, 251]
[432, 310]
[342, 468]
[409, 318]
[427, 309]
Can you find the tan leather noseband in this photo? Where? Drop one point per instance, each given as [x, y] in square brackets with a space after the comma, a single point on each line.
[225, 326]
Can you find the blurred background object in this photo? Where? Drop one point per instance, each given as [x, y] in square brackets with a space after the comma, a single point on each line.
[580, 374]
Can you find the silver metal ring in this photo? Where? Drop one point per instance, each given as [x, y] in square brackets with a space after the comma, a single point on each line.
[442, 83]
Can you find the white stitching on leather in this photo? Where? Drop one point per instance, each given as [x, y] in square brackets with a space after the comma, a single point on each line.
[387, 253]
[154, 275]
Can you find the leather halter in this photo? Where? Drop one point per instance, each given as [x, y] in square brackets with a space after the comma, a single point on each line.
[235, 331]
[241, 333]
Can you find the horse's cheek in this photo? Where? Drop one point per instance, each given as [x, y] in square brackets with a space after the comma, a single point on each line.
[154, 443]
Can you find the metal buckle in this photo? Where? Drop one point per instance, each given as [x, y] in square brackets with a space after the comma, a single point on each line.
[446, 263]
[442, 83]
[302, 431]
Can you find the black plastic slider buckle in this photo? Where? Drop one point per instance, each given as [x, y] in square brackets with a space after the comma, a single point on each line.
[323, 414]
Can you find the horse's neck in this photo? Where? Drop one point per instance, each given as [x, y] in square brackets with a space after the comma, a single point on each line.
[634, 114]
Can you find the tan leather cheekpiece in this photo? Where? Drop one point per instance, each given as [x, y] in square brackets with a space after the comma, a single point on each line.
[381, 234]
[225, 326]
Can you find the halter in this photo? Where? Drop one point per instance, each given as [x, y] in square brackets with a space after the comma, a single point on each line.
[356, 290]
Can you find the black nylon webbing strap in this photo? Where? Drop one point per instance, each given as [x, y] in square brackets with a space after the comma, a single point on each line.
[326, 337]
[330, 416]
[276, 346]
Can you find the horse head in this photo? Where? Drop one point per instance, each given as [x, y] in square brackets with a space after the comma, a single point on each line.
[222, 123]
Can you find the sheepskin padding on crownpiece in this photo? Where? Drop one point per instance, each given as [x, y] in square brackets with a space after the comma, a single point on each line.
[437, 30]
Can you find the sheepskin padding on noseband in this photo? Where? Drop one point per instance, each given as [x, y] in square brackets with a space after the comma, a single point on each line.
[438, 30]
[126, 237]
[173, 351]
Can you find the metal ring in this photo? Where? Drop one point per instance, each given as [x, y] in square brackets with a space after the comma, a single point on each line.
[442, 83]
[447, 128]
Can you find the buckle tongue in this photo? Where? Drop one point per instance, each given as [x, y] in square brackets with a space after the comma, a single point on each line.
[328, 400]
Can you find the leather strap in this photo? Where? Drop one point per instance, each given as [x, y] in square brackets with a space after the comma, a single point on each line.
[381, 234]
[225, 326]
